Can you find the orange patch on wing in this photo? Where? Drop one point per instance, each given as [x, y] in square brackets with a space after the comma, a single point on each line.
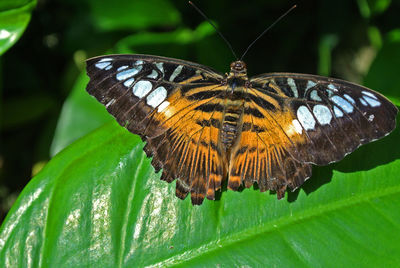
[262, 149]
[195, 155]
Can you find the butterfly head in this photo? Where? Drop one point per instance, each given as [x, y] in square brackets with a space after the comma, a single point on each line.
[237, 77]
[238, 68]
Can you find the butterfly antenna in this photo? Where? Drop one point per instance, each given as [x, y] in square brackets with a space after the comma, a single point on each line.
[266, 30]
[215, 27]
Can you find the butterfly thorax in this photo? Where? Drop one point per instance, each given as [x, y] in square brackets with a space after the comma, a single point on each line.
[236, 82]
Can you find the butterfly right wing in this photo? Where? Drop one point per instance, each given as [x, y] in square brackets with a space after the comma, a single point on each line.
[172, 105]
[291, 121]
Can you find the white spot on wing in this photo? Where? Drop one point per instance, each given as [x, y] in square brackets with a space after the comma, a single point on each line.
[153, 74]
[160, 67]
[129, 82]
[323, 114]
[305, 117]
[122, 68]
[141, 88]
[314, 95]
[310, 84]
[372, 102]
[108, 67]
[342, 103]
[371, 117]
[102, 65]
[363, 102]
[128, 73]
[331, 86]
[369, 94]
[337, 111]
[156, 97]
[297, 127]
[350, 99]
[163, 106]
[292, 85]
[176, 72]
[330, 93]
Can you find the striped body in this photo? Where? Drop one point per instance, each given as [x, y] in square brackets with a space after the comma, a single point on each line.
[231, 123]
[234, 108]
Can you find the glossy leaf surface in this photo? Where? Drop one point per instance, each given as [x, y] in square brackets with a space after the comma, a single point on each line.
[99, 203]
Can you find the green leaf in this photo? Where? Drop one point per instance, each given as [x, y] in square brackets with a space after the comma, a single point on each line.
[325, 47]
[98, 203]
[369, 8]
[14, 17]
[182, 36]
[127, 14]
[383, 74]
[81, 114]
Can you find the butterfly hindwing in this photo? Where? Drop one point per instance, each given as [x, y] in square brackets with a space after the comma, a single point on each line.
[162, 100]
[262, 152]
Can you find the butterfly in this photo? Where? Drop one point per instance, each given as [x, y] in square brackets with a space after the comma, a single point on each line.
[204, 128]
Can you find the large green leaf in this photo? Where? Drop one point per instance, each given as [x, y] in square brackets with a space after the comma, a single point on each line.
[80, 114]
[99, 203]
[14, 17]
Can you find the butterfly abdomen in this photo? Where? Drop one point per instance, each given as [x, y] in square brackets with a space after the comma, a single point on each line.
[230, 124]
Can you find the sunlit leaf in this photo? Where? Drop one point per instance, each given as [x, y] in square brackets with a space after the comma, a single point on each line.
[99, 203]
[14, 17]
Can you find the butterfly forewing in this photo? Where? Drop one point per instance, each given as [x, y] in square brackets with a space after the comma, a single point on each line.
[202, 127]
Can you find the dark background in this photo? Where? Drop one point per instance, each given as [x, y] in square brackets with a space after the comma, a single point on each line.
[333, 38]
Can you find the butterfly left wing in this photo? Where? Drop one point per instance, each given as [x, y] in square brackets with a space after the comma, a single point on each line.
[291, 121]
[171, 104]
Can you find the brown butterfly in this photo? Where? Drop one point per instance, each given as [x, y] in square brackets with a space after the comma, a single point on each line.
[202, 127]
